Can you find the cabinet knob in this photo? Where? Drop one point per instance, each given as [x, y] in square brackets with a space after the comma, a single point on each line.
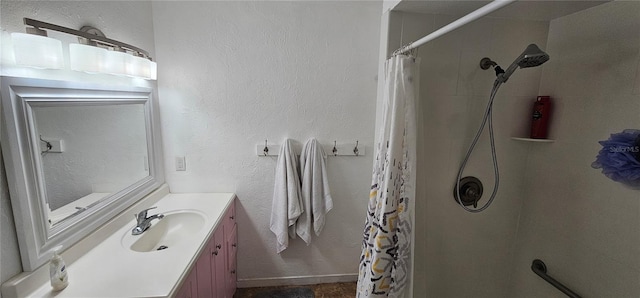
[232, 217]
[234, 245]
[218, 246]
[215, 252]
[233, 272]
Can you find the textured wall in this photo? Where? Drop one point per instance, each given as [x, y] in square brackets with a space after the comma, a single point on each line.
[459, 254]
[129, 22]
[583, 225]
[232, 74]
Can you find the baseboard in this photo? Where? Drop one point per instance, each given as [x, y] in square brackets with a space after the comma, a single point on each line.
[296, 280]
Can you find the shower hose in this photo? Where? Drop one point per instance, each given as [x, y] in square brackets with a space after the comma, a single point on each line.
[488, 117]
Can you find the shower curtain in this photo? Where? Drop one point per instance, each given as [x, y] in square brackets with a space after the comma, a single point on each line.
[385, 261]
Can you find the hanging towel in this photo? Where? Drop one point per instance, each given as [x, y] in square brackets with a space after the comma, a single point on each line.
[287, 202]
[316, 196]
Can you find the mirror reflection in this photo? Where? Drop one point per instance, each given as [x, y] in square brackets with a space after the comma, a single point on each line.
[88, 152]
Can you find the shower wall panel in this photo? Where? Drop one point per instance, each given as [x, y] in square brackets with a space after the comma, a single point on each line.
[583, 225]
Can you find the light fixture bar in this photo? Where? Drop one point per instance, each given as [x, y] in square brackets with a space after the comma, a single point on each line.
[43, 25]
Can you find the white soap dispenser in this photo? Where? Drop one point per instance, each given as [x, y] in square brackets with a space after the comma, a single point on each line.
[58, 271]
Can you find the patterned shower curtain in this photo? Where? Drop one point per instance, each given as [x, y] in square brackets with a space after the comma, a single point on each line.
[385, 262]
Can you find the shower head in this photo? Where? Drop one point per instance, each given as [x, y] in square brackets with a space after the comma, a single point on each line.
[531, 57]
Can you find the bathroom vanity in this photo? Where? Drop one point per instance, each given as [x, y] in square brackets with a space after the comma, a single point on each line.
[190, 252]
[82, 158]
[214, 272]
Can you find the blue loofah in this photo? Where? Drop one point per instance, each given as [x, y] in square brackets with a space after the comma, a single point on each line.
[619, 157]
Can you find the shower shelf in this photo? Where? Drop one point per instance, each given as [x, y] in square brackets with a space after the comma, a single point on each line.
[534, 140]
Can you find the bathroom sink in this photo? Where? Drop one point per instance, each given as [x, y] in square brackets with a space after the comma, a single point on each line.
[175, 228]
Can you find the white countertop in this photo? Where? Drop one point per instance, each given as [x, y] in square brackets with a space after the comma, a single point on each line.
[112, 270]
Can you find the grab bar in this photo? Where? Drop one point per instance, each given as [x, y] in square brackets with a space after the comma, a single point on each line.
[539, 268]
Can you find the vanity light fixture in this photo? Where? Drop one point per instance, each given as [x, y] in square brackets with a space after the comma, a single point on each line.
[94, 54]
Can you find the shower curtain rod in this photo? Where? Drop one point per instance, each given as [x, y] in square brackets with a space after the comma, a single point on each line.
[474, 15]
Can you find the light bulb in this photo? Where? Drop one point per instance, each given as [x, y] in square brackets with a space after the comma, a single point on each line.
[153, 70]
[37, 51]
[87, 58]
[116, 63]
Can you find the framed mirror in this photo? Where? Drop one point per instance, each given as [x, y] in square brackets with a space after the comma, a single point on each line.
[76, 155]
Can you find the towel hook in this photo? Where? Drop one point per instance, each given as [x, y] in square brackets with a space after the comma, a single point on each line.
[355, 150]
[49, 146]
[266, 148]
[335, 150]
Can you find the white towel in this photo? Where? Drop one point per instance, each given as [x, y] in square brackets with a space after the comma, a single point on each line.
[316, 195]
[287, 202]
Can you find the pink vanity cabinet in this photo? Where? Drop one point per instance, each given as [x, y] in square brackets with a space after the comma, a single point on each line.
[214, 274]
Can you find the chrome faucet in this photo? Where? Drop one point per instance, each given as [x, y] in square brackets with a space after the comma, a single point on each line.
[144, 222]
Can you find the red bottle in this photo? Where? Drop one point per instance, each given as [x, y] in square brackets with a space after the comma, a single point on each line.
[540, 119]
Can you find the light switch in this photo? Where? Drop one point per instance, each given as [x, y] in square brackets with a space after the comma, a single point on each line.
[181, 164]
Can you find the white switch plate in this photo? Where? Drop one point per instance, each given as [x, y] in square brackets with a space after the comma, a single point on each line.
[57, 146]
[181, 164]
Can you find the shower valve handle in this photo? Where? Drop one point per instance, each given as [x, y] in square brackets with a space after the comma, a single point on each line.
[473, 194]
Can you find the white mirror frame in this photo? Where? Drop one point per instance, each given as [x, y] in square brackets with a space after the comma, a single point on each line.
[21, 152]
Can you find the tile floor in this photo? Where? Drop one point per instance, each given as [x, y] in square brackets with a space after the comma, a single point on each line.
[332, 290]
